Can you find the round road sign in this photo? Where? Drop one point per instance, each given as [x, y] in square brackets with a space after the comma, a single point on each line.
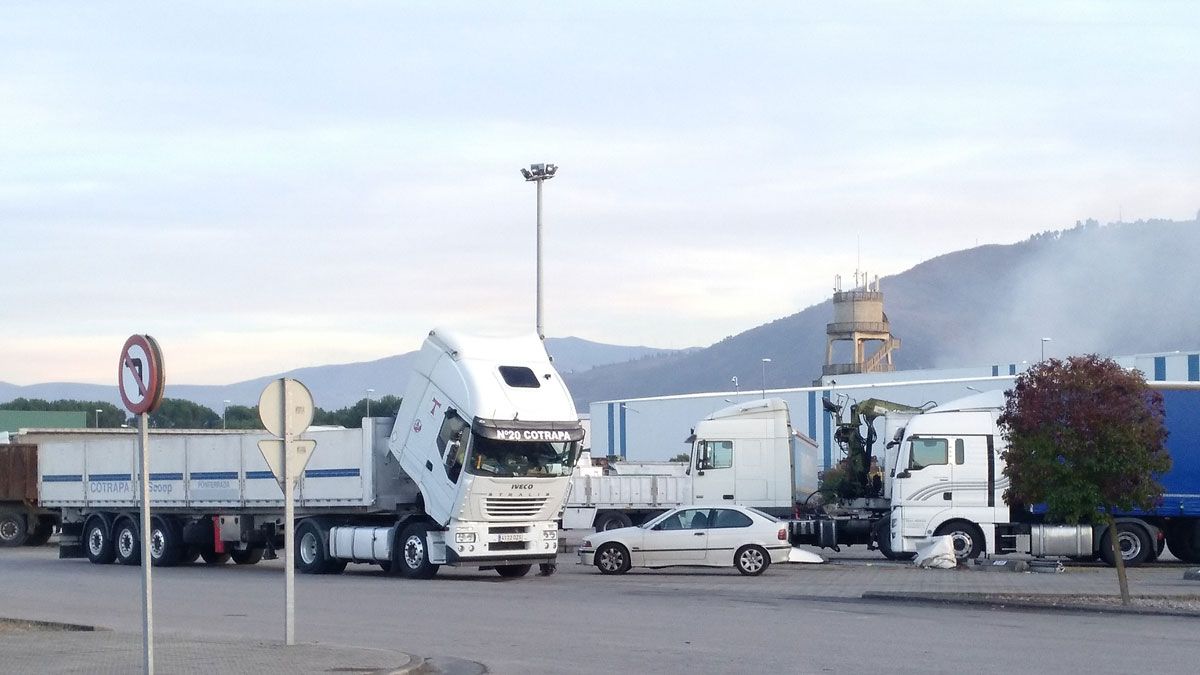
[299, 407]
[140, 374]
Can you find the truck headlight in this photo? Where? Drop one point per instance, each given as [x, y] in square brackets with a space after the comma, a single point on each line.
[549, 534]
[464, 537]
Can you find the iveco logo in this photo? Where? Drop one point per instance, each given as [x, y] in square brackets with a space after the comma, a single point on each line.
[523, 486]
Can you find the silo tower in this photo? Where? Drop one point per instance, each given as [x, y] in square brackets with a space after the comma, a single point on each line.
[859, 318]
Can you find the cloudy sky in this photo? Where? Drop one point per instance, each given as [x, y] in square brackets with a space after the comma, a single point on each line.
[263, 186]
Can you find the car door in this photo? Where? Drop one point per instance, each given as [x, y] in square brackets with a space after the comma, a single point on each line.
[679, 539]
[728, 530]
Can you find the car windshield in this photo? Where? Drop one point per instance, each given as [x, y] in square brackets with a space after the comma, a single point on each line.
[492, 457]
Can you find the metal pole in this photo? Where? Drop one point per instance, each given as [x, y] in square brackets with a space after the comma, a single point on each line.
[289, 531]
[541, 333]
[147, 601]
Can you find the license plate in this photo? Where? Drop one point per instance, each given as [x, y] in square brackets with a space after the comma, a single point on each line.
[510, 537]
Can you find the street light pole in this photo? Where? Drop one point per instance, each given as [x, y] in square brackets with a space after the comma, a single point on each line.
[369, 392]
[765, 361]
[736, 390]
[1044, 341]
[538, 173]
[224, 413]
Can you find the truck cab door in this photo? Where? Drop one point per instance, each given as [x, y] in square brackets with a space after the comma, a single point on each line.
[923, 485]
[714, 480]
[424, 453]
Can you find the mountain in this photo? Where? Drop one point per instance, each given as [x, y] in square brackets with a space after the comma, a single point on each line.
[333, 386]
[1119, 289]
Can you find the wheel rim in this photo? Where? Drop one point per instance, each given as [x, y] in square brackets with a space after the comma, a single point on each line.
[158, 543]
[95, 541]
[308, 548]
[611, 559]
[963, 543]
[414, 551]
[9, 529]
[1130, 545]
[126, 543]
[751, 560]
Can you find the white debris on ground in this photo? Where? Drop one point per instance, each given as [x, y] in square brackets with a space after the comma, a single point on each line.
[936, 553]
[799, 555]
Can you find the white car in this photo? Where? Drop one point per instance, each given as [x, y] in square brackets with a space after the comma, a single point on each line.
[711, 536]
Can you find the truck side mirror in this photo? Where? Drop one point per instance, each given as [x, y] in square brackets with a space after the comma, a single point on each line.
[904, 474]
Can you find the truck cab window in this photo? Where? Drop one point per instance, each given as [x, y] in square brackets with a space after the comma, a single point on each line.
[453, 429]
[928, 452]
[715, 455]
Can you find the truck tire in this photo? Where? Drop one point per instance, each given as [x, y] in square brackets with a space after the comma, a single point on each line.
[248, 556]
[1183, 538]
[1134, 542]
[612, 558]
[312, 550]
[40, 534]
[190, 555]
[98, 541]
[967, 538]
[13, 528]
[166, 543]
[127, 542]
[211, 557]
[884, 540]
[752, 560]
[513, 571]
[413, 552]
[547, 569]
[612, 520]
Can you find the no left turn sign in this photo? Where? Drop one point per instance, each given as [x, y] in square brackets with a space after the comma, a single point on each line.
[140, 374]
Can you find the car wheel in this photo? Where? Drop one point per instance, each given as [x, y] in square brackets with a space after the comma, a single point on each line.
[1133, 541]
[612, 558]
[414, 553]
[128, 542]
[612, 520]
[751, 560]
[513, 571]
[165, 546]
[97, 541]
[247, 556]
[967, 539]
[13, 528]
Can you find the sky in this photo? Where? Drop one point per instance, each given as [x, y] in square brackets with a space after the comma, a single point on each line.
[263, 186]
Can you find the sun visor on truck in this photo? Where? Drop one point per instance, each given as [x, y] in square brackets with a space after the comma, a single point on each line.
[517, 430]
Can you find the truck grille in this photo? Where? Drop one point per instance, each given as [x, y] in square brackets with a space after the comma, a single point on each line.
[507, 546]
[513, 507]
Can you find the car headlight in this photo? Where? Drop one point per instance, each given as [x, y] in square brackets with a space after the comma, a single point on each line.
[464, 537]
[585, 544]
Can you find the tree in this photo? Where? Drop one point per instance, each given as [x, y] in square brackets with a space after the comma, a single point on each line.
[351, 417]
[242, 417]
[177, 413]
[1086, 438]
[682, 457]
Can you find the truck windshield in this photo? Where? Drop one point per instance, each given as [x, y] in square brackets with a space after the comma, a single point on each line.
[492, 457]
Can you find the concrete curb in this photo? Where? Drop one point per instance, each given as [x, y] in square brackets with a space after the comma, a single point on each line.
[51, 625]
[1057, 603]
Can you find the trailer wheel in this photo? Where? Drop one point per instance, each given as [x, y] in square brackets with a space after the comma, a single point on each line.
[751, 560]
[249, 556]
[513, 571]
[97, 541]
[166, 546]
[967, 539]
[414, 552]
[612, 558]
[1133, 541]
[312, 550]
[41, 532]
[211, 557]
[612, 520]
[128, 542]
[13, 528]
[1183, 538]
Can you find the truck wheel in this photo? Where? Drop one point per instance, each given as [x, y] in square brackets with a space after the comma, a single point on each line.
[967, 539]
[884, 539]
[513, 571]
[414, 553]
[547, 569]
[312, 550]
[751, 560]
[1184, 541]
[612, 558]
[211, 557]
[97, 541]
[13, 528]
[128, 542]
[41, 532]
[1134, 542]
[249, 556]
[166, 546]
[612, 520]
[190, 555]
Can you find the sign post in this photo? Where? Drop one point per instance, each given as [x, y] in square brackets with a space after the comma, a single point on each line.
[140, 379]
[286, 410]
